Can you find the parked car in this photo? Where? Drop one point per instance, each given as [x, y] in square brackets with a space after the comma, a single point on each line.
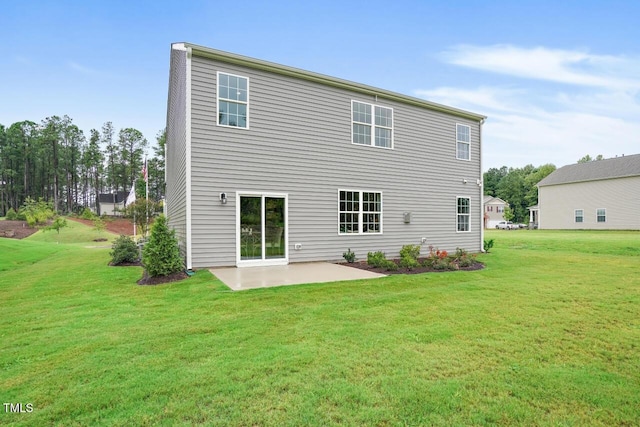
[505, 225]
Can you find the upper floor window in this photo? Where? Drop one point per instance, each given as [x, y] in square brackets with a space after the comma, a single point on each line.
[359, 212]
[371, 125]
[463, 214]
[463, 142]
[601, 215]
[579, 215]
[233, 100]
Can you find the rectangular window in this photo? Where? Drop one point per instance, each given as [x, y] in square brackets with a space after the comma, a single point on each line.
[601, 215]
[371, 125]
[463, 142]
[359, 212]
[464, 213]
[233, 101]
[579, 215]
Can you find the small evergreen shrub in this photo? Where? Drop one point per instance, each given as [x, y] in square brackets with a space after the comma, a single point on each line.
[376, 259]
[124, 249]
[488, 244]
[441, 264]
[12, 215]
[349, 256]
[87, 214]
[161, 256]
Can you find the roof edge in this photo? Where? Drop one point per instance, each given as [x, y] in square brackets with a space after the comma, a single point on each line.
[273, 67]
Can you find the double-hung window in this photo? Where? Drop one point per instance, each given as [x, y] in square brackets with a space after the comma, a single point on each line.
[233, 100]
[579, 215]
[371, 125]
[463, 214]
[359, 212]
[463, 142]
[601, 215]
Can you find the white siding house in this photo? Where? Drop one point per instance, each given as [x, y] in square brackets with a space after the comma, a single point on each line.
[268, 164]
[598, 195]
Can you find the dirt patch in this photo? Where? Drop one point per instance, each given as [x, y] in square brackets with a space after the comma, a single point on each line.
[158, 280]
[362, 265]
[115, 225]
[16, 229]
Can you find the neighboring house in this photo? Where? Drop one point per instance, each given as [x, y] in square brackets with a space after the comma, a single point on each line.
[112, 203]
[493, 211]
[268, 164]
[601, 194]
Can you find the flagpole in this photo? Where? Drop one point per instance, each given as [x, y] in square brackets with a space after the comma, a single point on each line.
[146, 180]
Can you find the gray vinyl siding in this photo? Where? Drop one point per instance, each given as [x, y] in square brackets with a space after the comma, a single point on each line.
[176, 173]
[299, 143]
[620, 197]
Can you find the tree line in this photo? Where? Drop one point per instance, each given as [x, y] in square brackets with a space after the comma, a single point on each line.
[55, 161]
[517, 187]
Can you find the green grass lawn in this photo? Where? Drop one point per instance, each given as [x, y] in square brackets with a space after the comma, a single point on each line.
[547, 334]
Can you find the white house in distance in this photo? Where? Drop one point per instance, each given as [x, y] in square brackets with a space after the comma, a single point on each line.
[268, 164]
[493, 211]
[601, 194]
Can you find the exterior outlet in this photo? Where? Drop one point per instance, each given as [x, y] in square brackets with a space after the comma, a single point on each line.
[423, 240]
[297, 246]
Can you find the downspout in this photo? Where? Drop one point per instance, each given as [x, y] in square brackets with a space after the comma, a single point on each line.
[481, 185]
[188, 161]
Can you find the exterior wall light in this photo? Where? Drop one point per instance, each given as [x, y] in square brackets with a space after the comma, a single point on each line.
[223, 198]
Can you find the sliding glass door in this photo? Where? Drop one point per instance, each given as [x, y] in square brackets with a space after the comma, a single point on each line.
[262, 229]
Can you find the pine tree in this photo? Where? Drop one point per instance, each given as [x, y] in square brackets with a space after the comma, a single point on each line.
[161, 255]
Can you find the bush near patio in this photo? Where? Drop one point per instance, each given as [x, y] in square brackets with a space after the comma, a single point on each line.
[546, 335]
[161, 255]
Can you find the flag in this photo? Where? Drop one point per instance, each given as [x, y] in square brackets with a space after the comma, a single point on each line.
[132, 195]
[144, 171]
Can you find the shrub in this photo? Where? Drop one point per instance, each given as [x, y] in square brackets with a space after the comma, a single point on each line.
[409, 256]
[124, 249]
[87, 214]
[389, 265]
[12, 215]
[488, 244]
[161, 255]
[98, 224]
[410, 251]
[466, 261]
[440, 264]
[376, 259]
[408, 262]
[349, 256]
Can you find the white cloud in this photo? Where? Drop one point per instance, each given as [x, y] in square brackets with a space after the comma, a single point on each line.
[565, 66]
[591, 108]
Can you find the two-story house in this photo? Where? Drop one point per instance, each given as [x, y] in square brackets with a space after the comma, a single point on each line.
[269, 164]
[493, 211]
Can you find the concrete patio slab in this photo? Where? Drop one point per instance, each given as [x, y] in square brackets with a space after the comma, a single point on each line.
[293, 274]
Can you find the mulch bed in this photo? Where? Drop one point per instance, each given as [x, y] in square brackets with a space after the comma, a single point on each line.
[16, 229]
[362, 265]
[158, 280]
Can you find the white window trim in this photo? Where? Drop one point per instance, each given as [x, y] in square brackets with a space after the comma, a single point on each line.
[463, 142]
[469, 214]
[360, 212]
[372, 142]
[575, 216]
[605, 215]
[231, 100]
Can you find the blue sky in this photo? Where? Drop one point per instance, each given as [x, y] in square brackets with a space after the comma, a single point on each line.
[557, 79]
